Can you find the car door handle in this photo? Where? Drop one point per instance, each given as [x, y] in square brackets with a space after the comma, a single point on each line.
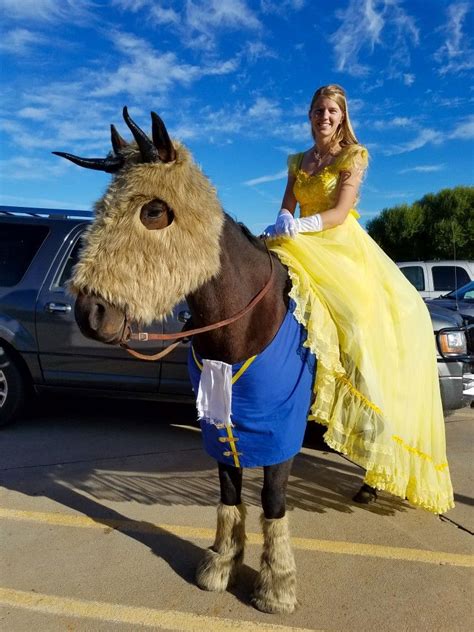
[58, 307]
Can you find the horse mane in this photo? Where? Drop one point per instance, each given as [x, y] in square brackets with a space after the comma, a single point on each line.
[255, 241]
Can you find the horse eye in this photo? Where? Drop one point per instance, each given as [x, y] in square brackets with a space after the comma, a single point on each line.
[156, 214]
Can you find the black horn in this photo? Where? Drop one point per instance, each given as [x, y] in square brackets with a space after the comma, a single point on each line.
[147, 149]
[161, 139]
[118, 142]
[111, 164]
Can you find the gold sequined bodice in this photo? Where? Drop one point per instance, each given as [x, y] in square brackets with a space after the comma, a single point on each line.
[317, 193]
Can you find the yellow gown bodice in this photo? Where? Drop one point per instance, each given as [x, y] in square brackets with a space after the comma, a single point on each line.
[317, 193]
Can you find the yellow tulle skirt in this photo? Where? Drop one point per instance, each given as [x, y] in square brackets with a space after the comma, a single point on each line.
[376, 386]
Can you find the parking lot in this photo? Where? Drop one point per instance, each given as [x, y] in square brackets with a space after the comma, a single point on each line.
[106, 508]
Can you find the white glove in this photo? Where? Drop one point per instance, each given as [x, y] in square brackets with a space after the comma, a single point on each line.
[311, 224]
[285, 223]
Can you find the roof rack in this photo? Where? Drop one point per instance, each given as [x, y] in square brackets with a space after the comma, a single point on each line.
[57, 213]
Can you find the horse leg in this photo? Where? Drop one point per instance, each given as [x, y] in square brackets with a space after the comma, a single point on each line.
[275, 589]
[222, 560]
[365, 495]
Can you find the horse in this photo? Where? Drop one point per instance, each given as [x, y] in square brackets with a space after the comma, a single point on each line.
[160, 236]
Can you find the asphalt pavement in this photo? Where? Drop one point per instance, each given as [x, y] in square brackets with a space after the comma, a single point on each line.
[106, 508]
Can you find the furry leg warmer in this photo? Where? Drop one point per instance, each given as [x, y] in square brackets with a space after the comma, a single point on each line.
[275, 589]
[221, 562]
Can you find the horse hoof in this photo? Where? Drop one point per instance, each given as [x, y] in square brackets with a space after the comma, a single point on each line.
[271, 606]
[365, 495]
[216, 572]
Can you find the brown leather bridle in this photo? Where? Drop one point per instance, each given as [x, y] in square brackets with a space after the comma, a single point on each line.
[142, 336]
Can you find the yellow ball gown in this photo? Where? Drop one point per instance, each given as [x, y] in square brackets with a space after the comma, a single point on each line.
[376, 386]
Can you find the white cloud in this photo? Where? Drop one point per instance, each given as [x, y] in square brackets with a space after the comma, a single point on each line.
[423, 137]
[398, 121]
[408, 79]
[281, 7]
[131, 5]
[205, 19]
[20, 41]
[264, 108]
[161, 15]
[423, 169]
[46, 10]
[147, 71]
[34, 114]
[464, 130]
[26, 168]
[363, 22]
[456, 54]
[281, 175]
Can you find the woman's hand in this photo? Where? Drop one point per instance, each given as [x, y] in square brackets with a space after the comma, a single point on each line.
[285, 224]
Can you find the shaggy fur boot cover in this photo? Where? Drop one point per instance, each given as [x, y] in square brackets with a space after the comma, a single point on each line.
[221, 561]
[275, 589]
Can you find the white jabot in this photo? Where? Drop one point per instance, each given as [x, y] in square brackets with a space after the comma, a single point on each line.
[214, 398]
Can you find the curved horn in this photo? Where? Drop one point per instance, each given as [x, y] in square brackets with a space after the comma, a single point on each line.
[147, 149]
[110, 165]
[118, 142]
[161, 139]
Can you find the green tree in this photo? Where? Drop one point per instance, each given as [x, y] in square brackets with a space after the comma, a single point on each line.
[438, 226]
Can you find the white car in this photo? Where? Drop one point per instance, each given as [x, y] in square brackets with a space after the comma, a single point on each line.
[434, 278]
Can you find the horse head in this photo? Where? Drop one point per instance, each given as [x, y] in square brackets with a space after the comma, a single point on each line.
[155, 236]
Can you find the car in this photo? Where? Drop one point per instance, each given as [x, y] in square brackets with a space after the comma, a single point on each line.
[42, 349]
[434, 278]
[461, 300]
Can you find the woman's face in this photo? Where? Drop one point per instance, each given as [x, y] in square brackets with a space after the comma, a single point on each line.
[325, 117]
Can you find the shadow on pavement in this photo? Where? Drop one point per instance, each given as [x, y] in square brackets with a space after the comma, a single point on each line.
[79, 453]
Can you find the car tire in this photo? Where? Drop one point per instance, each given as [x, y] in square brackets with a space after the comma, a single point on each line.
[12, 388]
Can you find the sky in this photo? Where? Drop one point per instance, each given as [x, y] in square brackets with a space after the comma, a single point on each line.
[233, 80]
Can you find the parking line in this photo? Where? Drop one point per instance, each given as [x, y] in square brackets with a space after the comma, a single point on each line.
[135, 615]
[305, 544]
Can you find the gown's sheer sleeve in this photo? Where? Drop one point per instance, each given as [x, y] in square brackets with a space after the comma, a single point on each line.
[294, 162]
[354, 159]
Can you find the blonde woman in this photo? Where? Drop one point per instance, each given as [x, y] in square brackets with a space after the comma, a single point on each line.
[376, 387]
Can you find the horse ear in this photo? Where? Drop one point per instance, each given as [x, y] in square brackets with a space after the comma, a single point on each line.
[161, 139]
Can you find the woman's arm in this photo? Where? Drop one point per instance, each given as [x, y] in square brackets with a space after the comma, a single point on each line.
[346, 196]
[289, 200]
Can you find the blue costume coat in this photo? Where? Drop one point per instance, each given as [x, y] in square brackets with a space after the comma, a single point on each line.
[271, 396]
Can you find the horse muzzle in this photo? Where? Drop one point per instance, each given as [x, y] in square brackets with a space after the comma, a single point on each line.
[99, 320]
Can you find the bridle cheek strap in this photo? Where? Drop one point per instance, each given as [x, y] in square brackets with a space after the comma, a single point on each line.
[180, 336]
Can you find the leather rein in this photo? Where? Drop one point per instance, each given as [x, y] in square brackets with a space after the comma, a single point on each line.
[180, 337]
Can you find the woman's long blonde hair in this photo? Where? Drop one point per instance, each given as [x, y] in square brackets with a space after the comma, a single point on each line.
[344, 135]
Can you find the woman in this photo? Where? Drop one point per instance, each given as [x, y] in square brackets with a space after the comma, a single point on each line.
[377, 385]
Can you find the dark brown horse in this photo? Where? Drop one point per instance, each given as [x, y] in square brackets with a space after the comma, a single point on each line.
[159, 236]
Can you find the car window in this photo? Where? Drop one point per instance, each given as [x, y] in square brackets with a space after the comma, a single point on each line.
[468, 294]
[70, 262]
[446, 278]
[18, 246]
[415, 275]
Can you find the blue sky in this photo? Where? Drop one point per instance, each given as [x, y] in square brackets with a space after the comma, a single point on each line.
[233, 79]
